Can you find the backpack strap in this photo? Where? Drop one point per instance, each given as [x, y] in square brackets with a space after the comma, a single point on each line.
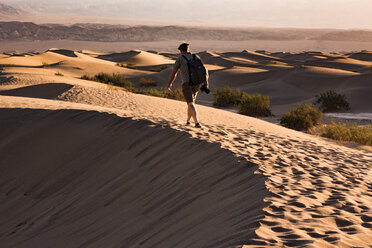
[188, 65]
[183, 55]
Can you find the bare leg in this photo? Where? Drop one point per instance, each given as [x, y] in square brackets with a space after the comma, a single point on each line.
[191, 112]
[188, 114]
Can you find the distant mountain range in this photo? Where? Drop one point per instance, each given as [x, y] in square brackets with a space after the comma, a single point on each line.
[110, 33]
[18, 30]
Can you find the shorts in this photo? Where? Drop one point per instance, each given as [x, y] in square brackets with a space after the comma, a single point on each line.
[190, 92]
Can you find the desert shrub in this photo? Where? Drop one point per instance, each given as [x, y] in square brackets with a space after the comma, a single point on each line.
[118, 80]
[58, 74]
[152, 92]
[161, 68]
[6, 65]
[87, 77]
[349, 132]
[302, 117]
[330, 101]
[254, 105]
[226, 97]
[176, 93]
[45, 65]
[129, 66]
[145, 82]
[111, 79]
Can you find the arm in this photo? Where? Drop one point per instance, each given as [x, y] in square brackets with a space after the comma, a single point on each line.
[171, 79]
[207, 76]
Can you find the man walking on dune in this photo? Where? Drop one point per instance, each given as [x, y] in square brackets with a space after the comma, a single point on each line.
[193, 74]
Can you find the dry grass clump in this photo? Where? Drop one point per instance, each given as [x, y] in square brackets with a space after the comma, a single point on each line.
[175, 94]
[129, 66]
[118, 80]
[115, 79]
[302, 117]
[161, 68]
[146, 82]
[349, 132]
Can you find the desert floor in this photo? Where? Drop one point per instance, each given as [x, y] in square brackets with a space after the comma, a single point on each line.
[85, 164]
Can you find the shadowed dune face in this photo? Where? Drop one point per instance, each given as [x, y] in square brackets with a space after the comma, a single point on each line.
[64, 52]
[97, 180]
[45, 91]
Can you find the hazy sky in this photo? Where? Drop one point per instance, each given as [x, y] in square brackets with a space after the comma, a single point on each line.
[347, 14]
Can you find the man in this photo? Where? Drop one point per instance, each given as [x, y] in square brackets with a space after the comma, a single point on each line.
[189, 91]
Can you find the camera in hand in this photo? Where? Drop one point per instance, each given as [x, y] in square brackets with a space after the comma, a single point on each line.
[205, 89]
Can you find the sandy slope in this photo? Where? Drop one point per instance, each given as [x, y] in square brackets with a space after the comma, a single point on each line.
[125, 178]
[137, 57]
[98, 180]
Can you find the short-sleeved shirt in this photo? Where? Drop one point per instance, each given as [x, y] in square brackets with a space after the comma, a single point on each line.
[181, 64]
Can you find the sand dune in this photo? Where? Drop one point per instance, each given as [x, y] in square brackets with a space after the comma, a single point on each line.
[91, 53]
[85, 164]
[307, 56]
[365, 56]
[343, 64]
[64, 52]
[70, 63]
[316, 71]
[238, 76]
[121, 181]
[137, 57]
[254, 56]
[35, 60]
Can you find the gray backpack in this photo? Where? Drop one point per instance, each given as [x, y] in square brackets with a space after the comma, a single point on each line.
[197, 71]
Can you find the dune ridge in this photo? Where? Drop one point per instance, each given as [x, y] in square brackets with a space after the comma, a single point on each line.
[261, 185]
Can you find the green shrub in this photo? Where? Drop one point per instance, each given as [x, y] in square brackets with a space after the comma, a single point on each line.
[349, 132]
[254, 105]
[302, 117]
[58, 74]
[227, 97]
[330, 101]
[129, 66]
[161, 68]
[113, 79]
[145, 82]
